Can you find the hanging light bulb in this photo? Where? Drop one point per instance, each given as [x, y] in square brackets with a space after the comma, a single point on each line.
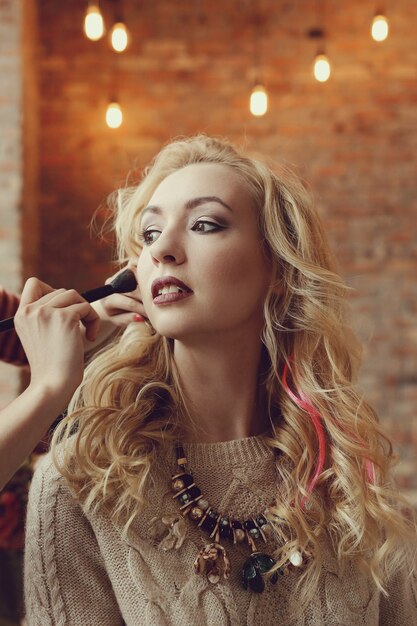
[379, 28]
[93, 23]
[119, 37]
[321, 68]
[258, 101]
[114, 115]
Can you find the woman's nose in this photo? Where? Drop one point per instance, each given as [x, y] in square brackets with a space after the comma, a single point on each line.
[167, 249]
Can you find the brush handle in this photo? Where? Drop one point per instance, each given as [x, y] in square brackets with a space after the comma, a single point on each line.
[122, 283]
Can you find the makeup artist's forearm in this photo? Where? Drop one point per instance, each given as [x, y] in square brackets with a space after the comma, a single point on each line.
[23, 423]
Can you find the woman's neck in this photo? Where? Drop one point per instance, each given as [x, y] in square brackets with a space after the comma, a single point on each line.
[221, 386]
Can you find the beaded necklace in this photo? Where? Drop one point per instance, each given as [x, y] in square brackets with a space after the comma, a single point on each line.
[213, 560]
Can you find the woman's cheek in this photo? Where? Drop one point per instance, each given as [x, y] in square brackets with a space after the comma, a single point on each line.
[234, 268]
[143, 279]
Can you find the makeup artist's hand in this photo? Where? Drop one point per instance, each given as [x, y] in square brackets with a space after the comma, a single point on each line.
[48, 324]
[117, 311]
[120, 309]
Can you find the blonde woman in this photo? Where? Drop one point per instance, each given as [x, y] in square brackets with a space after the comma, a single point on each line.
[219, 466]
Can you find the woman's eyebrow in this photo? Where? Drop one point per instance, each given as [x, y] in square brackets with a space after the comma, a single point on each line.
[190, 204]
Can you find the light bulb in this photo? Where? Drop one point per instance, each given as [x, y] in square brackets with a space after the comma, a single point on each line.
[93, 23]
[379, 28]
[119, 37]
[258, 101]
[321, 68]
[114, 115]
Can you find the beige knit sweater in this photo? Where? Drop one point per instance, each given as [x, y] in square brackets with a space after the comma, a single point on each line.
[80, 572]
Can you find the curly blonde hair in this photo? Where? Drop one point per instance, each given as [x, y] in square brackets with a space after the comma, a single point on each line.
[131, 401]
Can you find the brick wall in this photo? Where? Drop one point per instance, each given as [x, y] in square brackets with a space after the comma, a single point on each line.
[10, 166]
[190, 68]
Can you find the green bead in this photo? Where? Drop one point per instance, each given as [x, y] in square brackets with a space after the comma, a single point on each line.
[254, 569]
[184, 498]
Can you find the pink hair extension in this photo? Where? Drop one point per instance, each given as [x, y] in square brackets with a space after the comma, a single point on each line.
[370, 470]
[304, 403]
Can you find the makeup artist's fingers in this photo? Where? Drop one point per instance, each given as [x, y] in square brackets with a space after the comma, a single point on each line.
[35, 289]
[51, 335]
[122, 309]
[70, 305]
[123, 303]
[78, 310]
[35, 295]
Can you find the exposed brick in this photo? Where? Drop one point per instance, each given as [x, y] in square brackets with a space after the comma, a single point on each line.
[10, 167]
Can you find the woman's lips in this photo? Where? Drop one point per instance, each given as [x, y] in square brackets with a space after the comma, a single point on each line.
[167, 298]
[169, 289]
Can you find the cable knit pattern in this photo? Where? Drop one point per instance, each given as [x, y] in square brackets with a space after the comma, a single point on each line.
[79, 571]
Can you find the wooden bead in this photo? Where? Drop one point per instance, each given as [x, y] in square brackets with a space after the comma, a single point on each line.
[178, 484]
[203, 504]
[196, 513]
[240, 535]
[267, 530]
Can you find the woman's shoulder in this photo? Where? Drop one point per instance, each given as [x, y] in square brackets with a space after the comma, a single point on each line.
[399, 606]
[45, 471]
[56, 521]
[61, 543]
[349, 589]
[48, 488]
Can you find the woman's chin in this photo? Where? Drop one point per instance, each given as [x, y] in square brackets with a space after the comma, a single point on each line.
[182, 332]
[172, 331]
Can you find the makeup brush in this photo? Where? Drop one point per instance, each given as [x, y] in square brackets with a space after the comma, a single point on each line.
[122, 283]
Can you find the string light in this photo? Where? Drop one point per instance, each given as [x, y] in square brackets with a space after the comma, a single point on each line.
[321, 68]
[258, 101]
[93, 22]
[380, 27]
[119, 37]
[114, 115]
[94, 29]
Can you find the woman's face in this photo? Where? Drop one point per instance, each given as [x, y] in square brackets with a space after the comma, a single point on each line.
[202, 270]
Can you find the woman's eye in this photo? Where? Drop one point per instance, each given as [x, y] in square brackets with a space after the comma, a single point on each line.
[204, 226]
[149, 236]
